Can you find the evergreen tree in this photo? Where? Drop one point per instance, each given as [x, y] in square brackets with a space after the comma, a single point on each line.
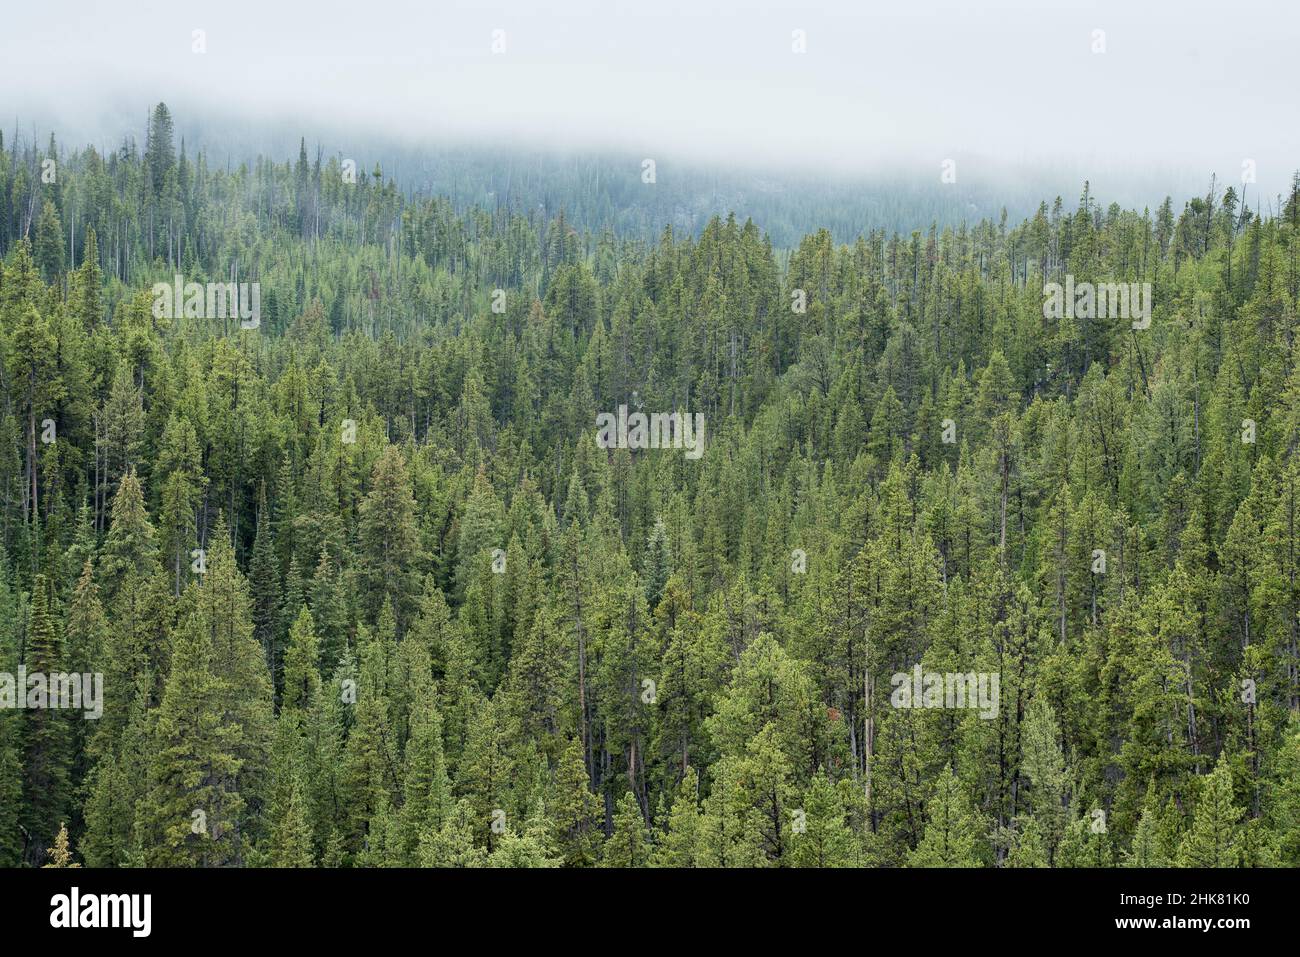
[264, 583]
[952, 835]
[677, 846]
[628, 845]
[573, 810]
[389, 540]
[1215, 835]
[60, 855]
[46, 736]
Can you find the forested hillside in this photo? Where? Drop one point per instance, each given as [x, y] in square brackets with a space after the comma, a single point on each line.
[365, 589]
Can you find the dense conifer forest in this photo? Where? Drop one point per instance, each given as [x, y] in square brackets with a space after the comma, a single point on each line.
[366, 586]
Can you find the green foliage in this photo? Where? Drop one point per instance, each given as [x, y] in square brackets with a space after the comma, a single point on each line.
[952, 832]
[365, 591]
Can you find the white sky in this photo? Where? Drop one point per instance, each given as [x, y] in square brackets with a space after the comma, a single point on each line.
[1191, 85]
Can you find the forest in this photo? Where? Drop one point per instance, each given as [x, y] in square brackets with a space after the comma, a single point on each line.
[363, 584]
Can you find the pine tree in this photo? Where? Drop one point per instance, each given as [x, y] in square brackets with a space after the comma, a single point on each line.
[821, 835]
[1284, 810]
[389, 541]
[426, 786]
[130, 546]
[302, 684]
[573, 810]
[264, 582]
[291, 835]
[213, 730]
[369, 764]
[60, 855]
[1215, 835]
[1147, 849]
[48, 249]
[677, 846]
[160, 156]
[86, 294]
[47, 737]
[1028, 850]
[527, 850]
[115, 788]
[31, 354]
[485, 770]
[1087, 842]
[657, 564]
[1044, 766]
[952, 834]
[329, 608]
[190, 813]
[481, 524]
[454, 843]
[730, 833]
[628, 845]
[11, 793]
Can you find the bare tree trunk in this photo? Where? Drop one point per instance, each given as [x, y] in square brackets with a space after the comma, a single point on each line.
[868, 736]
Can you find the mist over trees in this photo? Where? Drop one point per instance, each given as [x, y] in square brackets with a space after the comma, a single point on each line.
[365, 591]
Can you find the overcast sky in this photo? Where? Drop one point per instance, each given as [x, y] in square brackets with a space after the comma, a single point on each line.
[1191, 85]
